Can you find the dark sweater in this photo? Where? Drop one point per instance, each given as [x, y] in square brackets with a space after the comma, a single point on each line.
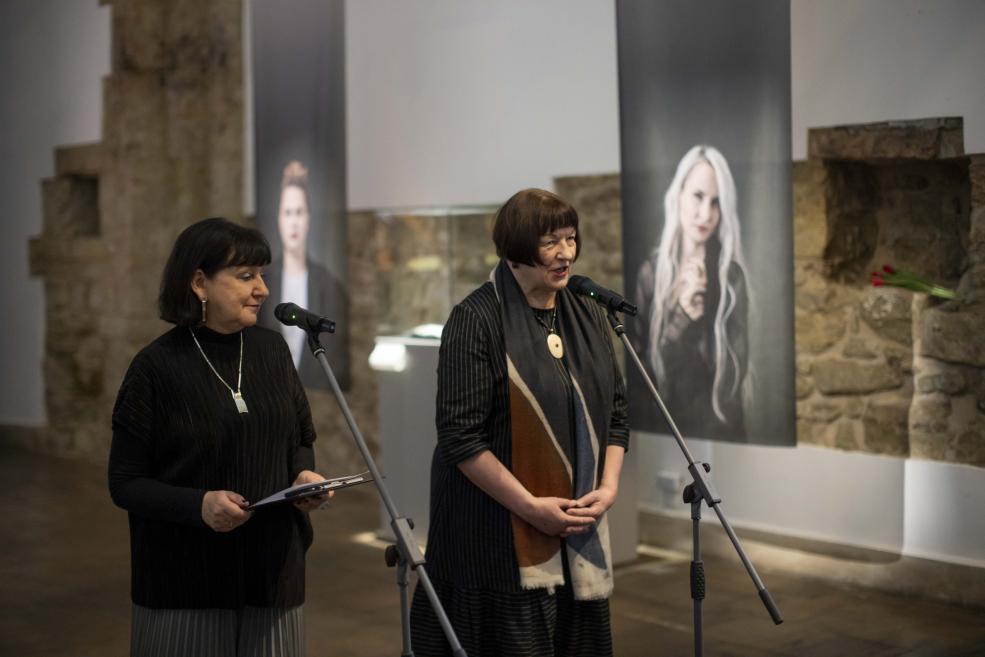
[176, 435]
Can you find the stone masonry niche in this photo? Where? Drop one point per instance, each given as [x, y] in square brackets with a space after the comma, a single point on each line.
[873, 371]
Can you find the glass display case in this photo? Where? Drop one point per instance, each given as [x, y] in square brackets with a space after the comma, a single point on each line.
[429, 259]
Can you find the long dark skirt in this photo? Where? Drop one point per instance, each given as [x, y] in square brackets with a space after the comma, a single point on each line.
[525, 624]
[247, 632]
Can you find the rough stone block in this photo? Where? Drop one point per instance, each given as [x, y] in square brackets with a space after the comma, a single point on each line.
[887, 428]
[848, 435]
[804, 386]
[931, 445]
[854, 408]
[139, 35]
[79, 160]
[897, 356]
[70, 207]
[949, 382]
[856, 347]
[823, 411]
[930, 412]
[969, 447]
[955, 337]
[925, 139]
[817, 332]
[889, 314]
[812, 433]
[814, 292]
[835, 376]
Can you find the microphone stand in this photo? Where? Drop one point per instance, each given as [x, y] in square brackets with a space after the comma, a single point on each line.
[701, 489]
[407, 551]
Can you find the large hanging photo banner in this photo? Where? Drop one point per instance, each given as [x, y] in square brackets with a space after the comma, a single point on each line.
[705, 121]
[299, 116]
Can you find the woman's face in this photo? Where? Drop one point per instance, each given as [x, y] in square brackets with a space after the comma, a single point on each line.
[698, 204]
[234, 296]
[556, 252]
[293, 219]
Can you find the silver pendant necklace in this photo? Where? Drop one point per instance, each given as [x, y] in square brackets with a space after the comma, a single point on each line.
[554, 344]
[237, 395]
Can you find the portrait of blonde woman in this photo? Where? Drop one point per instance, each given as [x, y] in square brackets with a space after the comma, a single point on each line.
[692, 292]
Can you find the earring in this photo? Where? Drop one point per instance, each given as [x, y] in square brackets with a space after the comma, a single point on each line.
[204, 300]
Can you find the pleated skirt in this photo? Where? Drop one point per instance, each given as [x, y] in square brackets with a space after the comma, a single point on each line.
[532, 623]
[247, 632]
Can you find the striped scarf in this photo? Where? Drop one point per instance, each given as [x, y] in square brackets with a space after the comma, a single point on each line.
[556, 443]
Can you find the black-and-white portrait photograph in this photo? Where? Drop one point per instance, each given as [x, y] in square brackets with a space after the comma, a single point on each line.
[706, 193]
[300, 172]
[692, 331]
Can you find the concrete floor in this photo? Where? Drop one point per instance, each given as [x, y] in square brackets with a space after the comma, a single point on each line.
[64, 585]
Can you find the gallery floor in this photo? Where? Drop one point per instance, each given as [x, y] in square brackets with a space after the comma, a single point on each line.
[65, 572]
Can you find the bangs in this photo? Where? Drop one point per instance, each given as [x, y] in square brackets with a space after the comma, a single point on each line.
[557, 216]
[249, 249]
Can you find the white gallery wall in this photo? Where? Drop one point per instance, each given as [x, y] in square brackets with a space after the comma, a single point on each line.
[469, 101]
[874, 60]
[53, 55]
[465, 101]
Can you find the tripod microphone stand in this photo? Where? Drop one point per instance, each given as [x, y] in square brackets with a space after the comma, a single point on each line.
[406, 553]
[700, 490]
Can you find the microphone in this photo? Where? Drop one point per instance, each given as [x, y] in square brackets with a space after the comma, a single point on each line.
[611, 300]
[294, 315]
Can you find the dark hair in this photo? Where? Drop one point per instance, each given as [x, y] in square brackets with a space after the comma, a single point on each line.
[525, 218]
[210, 245]
[295, 175]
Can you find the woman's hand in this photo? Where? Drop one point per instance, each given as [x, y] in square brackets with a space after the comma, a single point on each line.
[594, 504]
[549, 515]
[314, 502]
[224, 511]
[691, 286]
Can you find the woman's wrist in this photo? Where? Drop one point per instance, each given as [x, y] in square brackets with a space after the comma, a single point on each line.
[526, 505]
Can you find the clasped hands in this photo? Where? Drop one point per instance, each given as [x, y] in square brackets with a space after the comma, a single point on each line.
[556, 516]
[690, 288]
[224, 510]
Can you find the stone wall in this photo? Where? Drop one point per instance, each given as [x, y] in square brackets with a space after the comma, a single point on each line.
[873, 373]
[172, 153]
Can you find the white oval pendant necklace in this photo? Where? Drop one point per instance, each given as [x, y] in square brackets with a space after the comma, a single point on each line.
[237, 395]
[554, 344]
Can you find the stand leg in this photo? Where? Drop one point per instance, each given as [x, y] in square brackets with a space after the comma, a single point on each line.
[393, 558]
[697, 576]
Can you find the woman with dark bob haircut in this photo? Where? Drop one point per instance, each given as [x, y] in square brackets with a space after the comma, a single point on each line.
[210, 416]
[531, 423]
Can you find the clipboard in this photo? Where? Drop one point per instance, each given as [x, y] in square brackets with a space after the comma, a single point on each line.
[295, 493]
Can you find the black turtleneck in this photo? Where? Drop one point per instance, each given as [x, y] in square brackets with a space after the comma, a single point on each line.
[176, 435]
